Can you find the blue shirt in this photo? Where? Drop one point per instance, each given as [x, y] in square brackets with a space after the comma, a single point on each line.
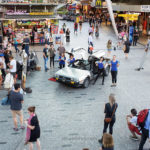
[15, 41]
[114, 65]
[147, 123]
[62, 60]
[71, 60]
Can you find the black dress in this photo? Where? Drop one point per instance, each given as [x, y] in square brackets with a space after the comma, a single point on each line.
[35, 134]
[127, 44]
[67, 36]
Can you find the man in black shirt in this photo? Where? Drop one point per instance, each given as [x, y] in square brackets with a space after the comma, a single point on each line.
[16, 100]
[45, 56]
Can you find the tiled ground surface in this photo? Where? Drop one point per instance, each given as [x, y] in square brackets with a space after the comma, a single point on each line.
[72, 118]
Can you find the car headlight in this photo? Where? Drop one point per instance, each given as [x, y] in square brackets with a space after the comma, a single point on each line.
[81, 82]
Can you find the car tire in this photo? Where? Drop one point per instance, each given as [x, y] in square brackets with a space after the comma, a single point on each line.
[107, 70]
[86, 83]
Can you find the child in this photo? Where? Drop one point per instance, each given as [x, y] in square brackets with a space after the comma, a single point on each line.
[132, 124]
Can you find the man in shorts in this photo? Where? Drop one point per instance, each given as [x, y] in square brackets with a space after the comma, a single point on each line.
[16, 101]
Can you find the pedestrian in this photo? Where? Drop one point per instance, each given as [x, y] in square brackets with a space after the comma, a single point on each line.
[42, 37]
[47, 37]
[135, 37]
[109, 47]
[90, 39]
[75, 27]
[101, 70]
[1, 78]
[80, 25]
[45, 56]
[145, 132]
[51, 40]
[16, 44]
[9, 47]
[32, 35]
[33, 129]
[52, 54]
[61, 49]
[114, 70]
[108, 142]
[62, 60]
[68, 35]
[132, 124]
[126, 49]
[13, 67]
[16, 101]
[140, 30]
[110, 117]
[26, 43]
[64, 28]
[143, 60]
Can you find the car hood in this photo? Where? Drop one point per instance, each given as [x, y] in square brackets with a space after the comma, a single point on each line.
[76, 74]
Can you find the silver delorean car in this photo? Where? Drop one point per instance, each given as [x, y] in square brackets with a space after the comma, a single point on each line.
[83, 70]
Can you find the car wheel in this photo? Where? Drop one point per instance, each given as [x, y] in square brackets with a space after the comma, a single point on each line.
[86, 83]
[107, 70]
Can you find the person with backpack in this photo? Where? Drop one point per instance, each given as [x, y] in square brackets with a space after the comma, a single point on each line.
[144, 122]
[110, 117]
[132, 124]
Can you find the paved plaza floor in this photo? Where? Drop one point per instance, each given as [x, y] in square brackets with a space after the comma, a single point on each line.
[72, 118]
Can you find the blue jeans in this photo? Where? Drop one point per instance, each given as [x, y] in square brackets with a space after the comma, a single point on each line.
[27, 49]
[47, 41]
[41, 40]
[45, 62]
[16, 48]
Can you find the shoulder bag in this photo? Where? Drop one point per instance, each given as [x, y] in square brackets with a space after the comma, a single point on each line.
[108, 120]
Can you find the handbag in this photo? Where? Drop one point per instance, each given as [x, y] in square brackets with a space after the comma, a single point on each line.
[108, 120]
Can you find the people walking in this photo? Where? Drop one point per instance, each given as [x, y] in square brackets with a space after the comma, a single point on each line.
[42, 37]
[145, 132]
[109, 47]
[47, 37]
[127, 45]
[75, 28]
[114, 70]
[52, 54]
[101, 70]
[16, 101]
[80, 25]
[110, 117]
[45, 56]
[108, 142]
[62, 60]
[32, 35]
[33, 129]
[135, 37]
[16, 44]
[64, 28]
[26, 43]
[68, 35]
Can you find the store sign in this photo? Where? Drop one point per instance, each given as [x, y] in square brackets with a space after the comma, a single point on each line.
[98, 3]
[145, 8]
[41, 13]
[130, 17]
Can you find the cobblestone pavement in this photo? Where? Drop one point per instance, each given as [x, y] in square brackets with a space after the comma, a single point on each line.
[72, 118]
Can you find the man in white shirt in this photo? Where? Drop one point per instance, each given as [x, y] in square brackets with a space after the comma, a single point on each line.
[132, 124]
[90, 39]
[13, 67]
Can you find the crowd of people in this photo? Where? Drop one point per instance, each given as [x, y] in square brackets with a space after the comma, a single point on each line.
[8, 66]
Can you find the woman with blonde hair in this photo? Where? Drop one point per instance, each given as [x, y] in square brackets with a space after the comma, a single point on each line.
[110, 117]
[108, 142]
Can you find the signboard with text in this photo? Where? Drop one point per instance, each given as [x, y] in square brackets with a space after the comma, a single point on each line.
[145, 8]
[98, 3]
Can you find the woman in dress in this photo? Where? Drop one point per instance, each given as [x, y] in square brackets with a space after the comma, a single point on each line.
[33, 129]
[68, 35]
[108, 143]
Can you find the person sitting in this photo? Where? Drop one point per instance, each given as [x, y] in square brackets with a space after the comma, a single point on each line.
[71, 60]
[62, 59]
[132, 124]
[107, 143]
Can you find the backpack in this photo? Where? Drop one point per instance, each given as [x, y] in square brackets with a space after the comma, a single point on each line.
[142, 116]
